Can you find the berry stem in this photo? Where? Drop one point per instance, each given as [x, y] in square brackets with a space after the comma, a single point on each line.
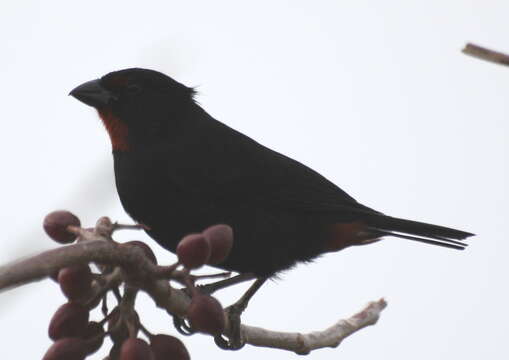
[144, 330]
[110, 280]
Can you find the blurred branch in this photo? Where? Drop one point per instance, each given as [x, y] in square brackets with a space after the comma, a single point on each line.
[486, 54]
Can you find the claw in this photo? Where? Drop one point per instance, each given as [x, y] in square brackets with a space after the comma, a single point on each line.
[182, 326]
[225, 344]
[222, 343]
[234, 341]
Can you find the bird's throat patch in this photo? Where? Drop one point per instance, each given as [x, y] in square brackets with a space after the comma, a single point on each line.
[117, 130]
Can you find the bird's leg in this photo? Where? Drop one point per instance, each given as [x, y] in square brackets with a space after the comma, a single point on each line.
[180, 323]
[235, 342]
[221, 284]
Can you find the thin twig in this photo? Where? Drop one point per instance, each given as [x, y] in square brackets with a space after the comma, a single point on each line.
[117, 226]
[110, 280]
[486, 54]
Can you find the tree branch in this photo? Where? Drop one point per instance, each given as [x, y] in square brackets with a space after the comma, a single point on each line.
[486, 54]
[303, 344]
[137, 270]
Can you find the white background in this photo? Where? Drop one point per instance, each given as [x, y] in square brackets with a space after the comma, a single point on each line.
[375, 95]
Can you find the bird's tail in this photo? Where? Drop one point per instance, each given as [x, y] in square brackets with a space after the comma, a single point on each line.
[383, 225]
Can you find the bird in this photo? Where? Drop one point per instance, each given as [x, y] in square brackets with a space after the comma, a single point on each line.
[178, 171]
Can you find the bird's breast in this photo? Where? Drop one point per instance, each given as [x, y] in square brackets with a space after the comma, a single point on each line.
[150, 197]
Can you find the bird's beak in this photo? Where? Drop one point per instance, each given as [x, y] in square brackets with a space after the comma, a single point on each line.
[93, 94]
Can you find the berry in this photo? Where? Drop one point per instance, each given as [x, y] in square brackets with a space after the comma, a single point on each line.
[67, 349]
[75, 282]
[220, 238]
[117, 328]
[136, 349]
[55, 224]
[117, 325]
[165, 347]
[146, 249]
[193, 251]
[70, 320]
[94, 335]
[206, 315]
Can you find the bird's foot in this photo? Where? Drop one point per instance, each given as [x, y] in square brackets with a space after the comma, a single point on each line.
[235, 340]
[182, 326]
[180, 323]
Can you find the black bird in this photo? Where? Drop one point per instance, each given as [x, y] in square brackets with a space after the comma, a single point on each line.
[178, 171]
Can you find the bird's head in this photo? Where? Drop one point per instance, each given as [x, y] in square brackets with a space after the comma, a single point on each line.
[136, 105]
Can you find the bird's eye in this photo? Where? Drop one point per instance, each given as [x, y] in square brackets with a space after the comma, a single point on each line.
[133, 89]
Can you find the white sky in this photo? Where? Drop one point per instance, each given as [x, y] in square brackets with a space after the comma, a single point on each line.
[375, 95]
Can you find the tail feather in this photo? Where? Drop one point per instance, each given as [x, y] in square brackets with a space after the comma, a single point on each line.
[418, 231]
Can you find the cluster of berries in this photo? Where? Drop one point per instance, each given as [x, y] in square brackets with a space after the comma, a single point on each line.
[76, 337]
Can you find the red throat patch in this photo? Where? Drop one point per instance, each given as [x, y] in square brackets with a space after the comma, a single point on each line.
[116, 129]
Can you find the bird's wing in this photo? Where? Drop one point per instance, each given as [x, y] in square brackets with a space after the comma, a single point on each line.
[229, 166]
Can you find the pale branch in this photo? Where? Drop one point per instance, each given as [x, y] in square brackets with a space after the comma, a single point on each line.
[486, 54]
[305, 343]
[47, 263]
[138, 271]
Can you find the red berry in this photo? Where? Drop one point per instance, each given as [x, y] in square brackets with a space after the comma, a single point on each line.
[135, 349]
[70, 320]
[146, 249]
[220, 238]
[118, 325]
[67, 349]
[117, 328]
[206, 315]
[94, 335]
[75, 282]
[193, 251]
[55, 224]
[165, 347]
